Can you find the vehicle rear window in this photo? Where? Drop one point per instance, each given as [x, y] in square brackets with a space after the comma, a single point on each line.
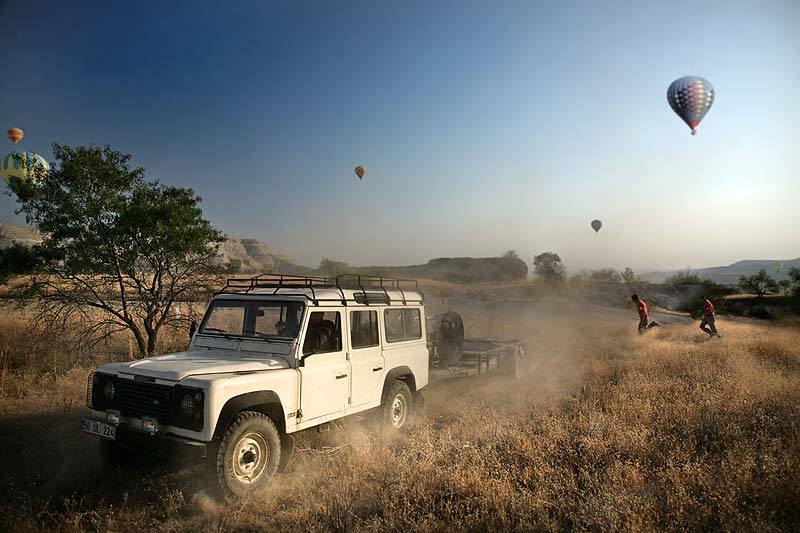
[402, 325]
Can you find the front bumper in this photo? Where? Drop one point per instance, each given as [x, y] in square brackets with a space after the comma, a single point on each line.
[159, 444]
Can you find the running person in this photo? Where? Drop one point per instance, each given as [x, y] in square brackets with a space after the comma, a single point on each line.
[707, 324]
[644, 317]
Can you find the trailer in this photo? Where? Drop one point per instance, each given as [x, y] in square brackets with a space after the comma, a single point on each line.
[453, 356]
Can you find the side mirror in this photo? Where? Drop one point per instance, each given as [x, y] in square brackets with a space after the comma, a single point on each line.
[192, 329]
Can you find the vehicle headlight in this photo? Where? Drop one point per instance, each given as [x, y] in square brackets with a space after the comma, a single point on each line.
[187, 404]
[109, 390]
[187, 409]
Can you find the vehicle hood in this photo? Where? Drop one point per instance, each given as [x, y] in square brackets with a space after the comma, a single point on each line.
[177, 366]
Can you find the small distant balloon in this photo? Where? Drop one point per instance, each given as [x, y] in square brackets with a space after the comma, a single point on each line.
[22, 171]
[15, 135]
[596, 225]
[360, 171]
[691, 97]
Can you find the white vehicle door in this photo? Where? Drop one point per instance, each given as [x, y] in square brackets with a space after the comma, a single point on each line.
[366, 358]
[324, 370]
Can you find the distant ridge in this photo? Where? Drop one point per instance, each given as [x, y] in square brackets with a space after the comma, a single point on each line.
[730, 274]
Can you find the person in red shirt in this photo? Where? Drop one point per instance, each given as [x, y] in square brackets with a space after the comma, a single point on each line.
[707, 324]
[644, 317]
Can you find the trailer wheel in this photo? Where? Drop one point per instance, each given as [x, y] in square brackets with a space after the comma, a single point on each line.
[398, 407]
[248, 456]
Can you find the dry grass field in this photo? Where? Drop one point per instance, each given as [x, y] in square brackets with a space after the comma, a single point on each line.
[607, 431]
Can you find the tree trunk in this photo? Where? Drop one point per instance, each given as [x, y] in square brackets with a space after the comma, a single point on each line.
[140, 343]
[152, 337]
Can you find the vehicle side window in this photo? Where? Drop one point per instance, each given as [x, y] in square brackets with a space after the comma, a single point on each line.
[324, 333]
[402, 324]
[363, 329]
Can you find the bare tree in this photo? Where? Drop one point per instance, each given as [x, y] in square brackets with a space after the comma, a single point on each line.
[758, 284]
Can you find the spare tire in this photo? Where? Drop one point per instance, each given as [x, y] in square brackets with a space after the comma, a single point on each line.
[450, 338]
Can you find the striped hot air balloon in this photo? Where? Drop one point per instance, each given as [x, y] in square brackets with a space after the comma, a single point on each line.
[15, 134]
[691, 97]
[22, 170]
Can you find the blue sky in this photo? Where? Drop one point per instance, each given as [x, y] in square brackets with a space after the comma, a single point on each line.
[485, 126]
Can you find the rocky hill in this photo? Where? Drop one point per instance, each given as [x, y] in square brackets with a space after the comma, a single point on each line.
[253, 256]
[237, 255]
[10, 233]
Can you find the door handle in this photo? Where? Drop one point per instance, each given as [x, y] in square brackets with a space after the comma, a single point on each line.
[340, 376]
[377, 368]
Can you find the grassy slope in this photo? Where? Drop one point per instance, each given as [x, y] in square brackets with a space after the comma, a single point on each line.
[608, 431]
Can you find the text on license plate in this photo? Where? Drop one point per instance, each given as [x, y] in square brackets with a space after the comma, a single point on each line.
[95, 427]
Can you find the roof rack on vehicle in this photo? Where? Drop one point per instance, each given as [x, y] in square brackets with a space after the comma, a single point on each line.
[358, 282]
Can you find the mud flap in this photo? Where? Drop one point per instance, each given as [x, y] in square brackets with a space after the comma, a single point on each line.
[419, 401]
[287, 450]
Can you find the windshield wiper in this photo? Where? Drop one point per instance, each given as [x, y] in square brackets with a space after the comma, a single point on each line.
[217, 330]
[267, 336]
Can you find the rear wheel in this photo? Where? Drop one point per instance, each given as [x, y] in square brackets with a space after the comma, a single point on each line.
[398, 407]
[247, 457]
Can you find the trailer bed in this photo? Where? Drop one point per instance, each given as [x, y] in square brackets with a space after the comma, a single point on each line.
[479, 356]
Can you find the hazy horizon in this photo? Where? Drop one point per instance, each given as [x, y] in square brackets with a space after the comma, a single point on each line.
[483, 127]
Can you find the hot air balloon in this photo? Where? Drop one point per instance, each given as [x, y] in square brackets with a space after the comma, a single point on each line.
[22, 170]
[691, 97]
[596, 225]
[360, 171]
[15, 134]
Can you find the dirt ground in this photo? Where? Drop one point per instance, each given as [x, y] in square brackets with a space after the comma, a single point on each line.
[606, 431]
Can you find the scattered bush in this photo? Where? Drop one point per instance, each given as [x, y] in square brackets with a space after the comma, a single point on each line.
[549, 267]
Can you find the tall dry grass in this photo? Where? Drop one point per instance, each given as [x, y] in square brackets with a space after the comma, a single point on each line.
[608, 431]
[31, 348]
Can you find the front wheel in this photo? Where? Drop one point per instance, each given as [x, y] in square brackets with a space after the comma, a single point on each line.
[398, 407]
[247, 457]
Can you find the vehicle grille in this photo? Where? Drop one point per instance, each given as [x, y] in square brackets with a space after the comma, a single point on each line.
[136, 399]
[89, 391]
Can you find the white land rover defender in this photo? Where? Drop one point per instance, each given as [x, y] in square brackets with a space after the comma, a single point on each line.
[273, 355]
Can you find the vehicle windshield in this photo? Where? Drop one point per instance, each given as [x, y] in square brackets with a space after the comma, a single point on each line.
[253, 318]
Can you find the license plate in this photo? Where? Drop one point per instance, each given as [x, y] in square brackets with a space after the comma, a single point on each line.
[101, 429]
